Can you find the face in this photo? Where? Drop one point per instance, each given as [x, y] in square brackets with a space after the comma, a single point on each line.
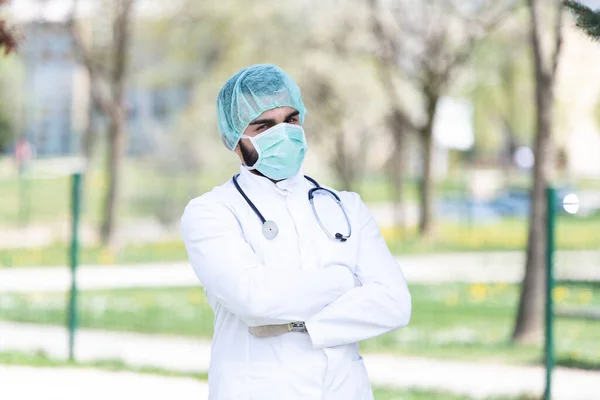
[245, 150]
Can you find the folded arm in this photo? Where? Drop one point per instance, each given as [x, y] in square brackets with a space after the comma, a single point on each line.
[382, 304]
[258, 294]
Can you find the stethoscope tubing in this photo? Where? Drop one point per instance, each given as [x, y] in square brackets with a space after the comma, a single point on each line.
[311, 192]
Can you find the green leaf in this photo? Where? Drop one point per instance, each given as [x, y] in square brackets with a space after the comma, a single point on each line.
[586, 19]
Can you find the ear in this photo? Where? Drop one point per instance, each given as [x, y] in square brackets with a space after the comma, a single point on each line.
[237, 151]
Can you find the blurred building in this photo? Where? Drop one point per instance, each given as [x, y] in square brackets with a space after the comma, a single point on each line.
[50, 87]
[57, 92]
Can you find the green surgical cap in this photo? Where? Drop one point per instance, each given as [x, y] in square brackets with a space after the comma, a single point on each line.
[249, 93]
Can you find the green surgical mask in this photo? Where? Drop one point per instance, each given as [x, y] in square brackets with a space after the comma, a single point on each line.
[280, 149]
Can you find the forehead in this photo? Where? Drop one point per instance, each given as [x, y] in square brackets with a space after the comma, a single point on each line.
[277, 114]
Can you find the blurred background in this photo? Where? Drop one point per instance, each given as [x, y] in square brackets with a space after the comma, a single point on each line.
[449, 118]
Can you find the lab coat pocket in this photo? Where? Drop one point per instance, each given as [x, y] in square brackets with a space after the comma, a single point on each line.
[254, 381]
[360, 381]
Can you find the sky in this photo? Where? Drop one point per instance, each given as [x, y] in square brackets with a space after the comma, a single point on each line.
[58, 10]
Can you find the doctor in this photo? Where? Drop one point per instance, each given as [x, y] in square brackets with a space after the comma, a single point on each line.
[295, 284]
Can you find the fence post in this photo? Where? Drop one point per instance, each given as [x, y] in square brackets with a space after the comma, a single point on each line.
[549, 314]
[74, 253]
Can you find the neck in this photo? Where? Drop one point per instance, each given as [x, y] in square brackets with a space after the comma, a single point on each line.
[257, 173]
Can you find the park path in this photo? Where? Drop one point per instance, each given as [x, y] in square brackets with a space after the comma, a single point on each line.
[478, 380]
[485, 267]
[67, 383]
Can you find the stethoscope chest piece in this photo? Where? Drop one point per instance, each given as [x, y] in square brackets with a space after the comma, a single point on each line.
[270, 230]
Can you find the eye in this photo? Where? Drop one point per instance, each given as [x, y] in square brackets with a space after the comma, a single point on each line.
[261, 128]
[292, 120]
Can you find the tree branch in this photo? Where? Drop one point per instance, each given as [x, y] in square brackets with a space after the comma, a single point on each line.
[78, 43]
[535, 35]
[388, 57]
[121, 35]
[7, 38]
[485, 28]
[96, 72]
[558, 38]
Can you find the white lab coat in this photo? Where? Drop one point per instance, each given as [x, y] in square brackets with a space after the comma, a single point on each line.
[301, 275]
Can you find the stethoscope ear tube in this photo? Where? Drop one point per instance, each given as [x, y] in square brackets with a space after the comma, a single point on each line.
[250, 203]
[270, 229]
[337, 236]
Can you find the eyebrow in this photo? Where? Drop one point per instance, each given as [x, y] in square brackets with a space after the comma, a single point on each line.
[271, 120]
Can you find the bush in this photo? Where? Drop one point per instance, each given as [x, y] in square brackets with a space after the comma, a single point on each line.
[7, 132]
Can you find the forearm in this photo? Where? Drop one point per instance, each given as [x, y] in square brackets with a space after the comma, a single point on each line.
[361, 313]
[268, 296]
[259, 294]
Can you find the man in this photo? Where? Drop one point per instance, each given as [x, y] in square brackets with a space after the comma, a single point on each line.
[294, 287]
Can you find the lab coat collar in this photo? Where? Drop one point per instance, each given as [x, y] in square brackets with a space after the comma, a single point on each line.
[260, 182]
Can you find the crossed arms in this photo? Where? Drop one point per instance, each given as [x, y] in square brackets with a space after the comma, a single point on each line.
[335, 311]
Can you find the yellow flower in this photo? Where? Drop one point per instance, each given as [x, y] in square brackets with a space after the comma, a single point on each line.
[36, 297]
[452, 299]
[195, 297]
[478, 292]
[560, 293]
[106, 256]
[500, 287]
[585, 297]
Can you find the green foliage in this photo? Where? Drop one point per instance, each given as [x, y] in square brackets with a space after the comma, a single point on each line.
[597, 113]
[11, 97]
[586, 19]
[573, 233]
[452, 321]
[416, 394]
[502, 92]
[7, 132]
[41, 359]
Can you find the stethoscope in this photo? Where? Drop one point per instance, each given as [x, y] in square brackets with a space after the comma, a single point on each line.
[270, 229]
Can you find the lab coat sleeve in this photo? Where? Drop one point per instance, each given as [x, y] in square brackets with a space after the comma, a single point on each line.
[227, 267]
[382, 304]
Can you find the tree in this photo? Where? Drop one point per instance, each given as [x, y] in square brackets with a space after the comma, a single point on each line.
[597, 112]
[428, 45]
[6, 131]
[108, 82]
[530, 318]
[398, 122]
[499, 88]
[337, 85]
[586, 19]
[8, 42]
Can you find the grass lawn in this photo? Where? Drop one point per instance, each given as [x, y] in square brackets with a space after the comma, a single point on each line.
[146, 188]
[453, 321]
[510, 234]
[146, 191]
[42, 360]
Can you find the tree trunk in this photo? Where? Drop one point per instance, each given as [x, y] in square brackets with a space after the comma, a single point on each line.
[116, 142]
[116, 150]
[427, 182]
[343, 164]
[397, 175]
[530, 319]
[397, 171]
[89, 137]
